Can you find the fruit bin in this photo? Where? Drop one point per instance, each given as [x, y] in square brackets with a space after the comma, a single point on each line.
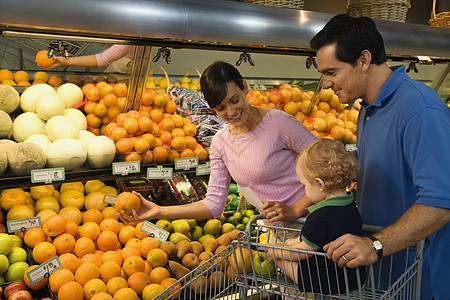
[380, 281]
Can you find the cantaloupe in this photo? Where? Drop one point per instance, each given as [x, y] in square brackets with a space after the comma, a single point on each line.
[50, 105]
[3, 160]
[42, 140]
[9, 98]
[31, 95]
[5, 124]
[24, 157]
[26, 125]
[70, 94]
[68, 153]
[60, 127]
[101, 152]
[77, 117]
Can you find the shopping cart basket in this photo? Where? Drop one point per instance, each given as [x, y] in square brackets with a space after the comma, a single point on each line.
[377, 281]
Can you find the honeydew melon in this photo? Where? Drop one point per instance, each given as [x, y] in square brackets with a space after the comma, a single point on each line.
[42, 140]
[50, 105]
[68, 153]
[26, 125]
[77, 117]
[101, 151]
[31, 95]
[61, 127]
[70, 94]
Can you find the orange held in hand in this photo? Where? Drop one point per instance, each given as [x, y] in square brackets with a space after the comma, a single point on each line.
[42, 59]
[127, 201]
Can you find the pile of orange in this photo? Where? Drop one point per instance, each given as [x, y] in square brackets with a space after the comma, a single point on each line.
[155, 133]
[329, 118]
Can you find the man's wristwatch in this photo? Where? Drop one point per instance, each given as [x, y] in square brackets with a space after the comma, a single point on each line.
[377, 245]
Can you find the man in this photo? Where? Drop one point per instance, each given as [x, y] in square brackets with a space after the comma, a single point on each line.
[403, 149]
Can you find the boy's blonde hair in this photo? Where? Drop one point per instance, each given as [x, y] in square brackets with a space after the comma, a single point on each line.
[328, 160]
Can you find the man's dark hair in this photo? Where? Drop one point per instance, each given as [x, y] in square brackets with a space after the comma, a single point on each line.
[214, 81]
[351, 35]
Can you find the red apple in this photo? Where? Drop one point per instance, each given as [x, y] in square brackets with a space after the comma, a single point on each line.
[20, 295]
[13, 287]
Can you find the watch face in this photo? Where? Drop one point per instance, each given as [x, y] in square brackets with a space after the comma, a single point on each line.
[377, 245]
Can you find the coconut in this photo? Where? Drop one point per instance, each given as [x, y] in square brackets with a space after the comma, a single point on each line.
[50, 105]
[5, 124]
[42, 140]
[31, 95]
[60, 127]
[70, 93]
[67, 153]
[3, 160]
[9, 98]
[26, 125]
[77, 117]
[24, 157]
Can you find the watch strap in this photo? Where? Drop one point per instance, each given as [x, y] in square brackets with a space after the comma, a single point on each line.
[378, 251]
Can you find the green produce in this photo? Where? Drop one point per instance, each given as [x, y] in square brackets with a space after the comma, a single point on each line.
[164, 224]
[240, 227]
[6, 243]
[4, 263]
[213, 227]
[177, 237]
[205, 237]
[262, 266]
[17, 254]
[15, 271]
[192, 223]
[233, 220]
[227, 227]
[196, 233]
[181, 226]
[238, 216]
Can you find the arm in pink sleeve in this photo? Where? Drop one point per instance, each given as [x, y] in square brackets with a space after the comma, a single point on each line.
[295, 135]
[218, 185]
[113, 53]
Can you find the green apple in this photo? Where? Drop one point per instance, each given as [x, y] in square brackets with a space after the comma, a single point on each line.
[4, 263]
[227, 227]
[2, 279]
[262, 266]
[17, 254]
[213, 227]
[6, 243]
[164, 224]
[250, 213]
[243, 212]
[245, 220]
[17, 241]
[233, 220]
[238, 215]
[15, 271]
[241, 227]
[196, 233]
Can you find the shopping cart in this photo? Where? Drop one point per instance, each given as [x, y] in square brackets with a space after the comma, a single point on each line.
[377, 281]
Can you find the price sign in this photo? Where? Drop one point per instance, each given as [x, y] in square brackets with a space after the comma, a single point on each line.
[159, 173]
[204, 169]
[125, 168]
[186, 163]
[350, 147]
[111, 199]
[23, 224]
[47, 175]
[44, 270]
[154, 231]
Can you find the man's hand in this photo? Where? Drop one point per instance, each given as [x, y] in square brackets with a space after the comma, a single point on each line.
[352, 251]
[147, 211]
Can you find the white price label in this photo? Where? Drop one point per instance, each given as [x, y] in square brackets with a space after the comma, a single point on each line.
[204, 169]
[159, 173]
[111, 199]
[44, 270]
[350, 147]
[47, 175]
[124, 168]
[186, 163]
[154, 231]
[23, 224]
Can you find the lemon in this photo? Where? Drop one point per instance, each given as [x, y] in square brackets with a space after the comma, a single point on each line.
[184, 80]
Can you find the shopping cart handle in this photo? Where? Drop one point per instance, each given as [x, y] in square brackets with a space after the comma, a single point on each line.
[252, 220]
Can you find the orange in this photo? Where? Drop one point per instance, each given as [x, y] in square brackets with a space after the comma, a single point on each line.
[69, 261]
[21, 76]
[71, 290]
[134, 114]
[138, 281]
[36, 286]
[150, 138]
[243, 261]
[108, 270]
[112, 255]
[43, 252]
[137, 231]
[115, 284]
[132, 156]
[172, 154]
[131, 125]
[102, 295]
[156, 130]
[120, 89]
[167, 125]
[92, 287]
[42, 59]
[55, 81]
[86, 272]
[91, 258]
[157, 258]
[170, 107]
[119, 133]
[64, 243]
[107, 240]
[110, 212]
[83, 246]
[58, 278]
[133, 264]
[151, 291]
[7, 74]
[86, 87]
[90, 230]
[133, 242]
[147, 98]
[124, 145]
[110, 100]
[179, 143]
[166, 137]
[126, 234]
[186, 153]
[166, 283]
[178, 120]
[90, 107]
[99, 254]
[126, 294]
[160, 154]
[191, 142]
[156, 115]
[190, 129]
[147, 157]
[34, 236]
[92, 215]
[337, 132]
[9, 82]
[158, 274]
[127, 202]
[95, 200]
[147, 244]
[106, 89]
[110, 224]
[128, 251]
[145, 124]
[71, 228]
[141, 145]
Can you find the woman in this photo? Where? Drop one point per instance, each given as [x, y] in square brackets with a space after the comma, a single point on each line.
[257, 149]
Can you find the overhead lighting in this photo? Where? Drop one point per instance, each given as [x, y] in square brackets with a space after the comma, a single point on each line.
[46, 36]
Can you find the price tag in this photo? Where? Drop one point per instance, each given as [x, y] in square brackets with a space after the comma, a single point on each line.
[186, 163]
[125, 168]
[47, 175]
[350, 147]
[111, 199]
[154, 231]
[44, 270]
[204, 169]
[23, 224]
[159, 173]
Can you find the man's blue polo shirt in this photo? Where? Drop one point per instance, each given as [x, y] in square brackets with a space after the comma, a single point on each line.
[403, 147]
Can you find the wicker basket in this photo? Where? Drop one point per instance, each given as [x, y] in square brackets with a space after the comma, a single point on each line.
[441, 19]
[295, 4]
[391, 10]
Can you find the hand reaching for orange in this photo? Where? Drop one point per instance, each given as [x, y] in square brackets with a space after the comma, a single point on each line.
[147, 211]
